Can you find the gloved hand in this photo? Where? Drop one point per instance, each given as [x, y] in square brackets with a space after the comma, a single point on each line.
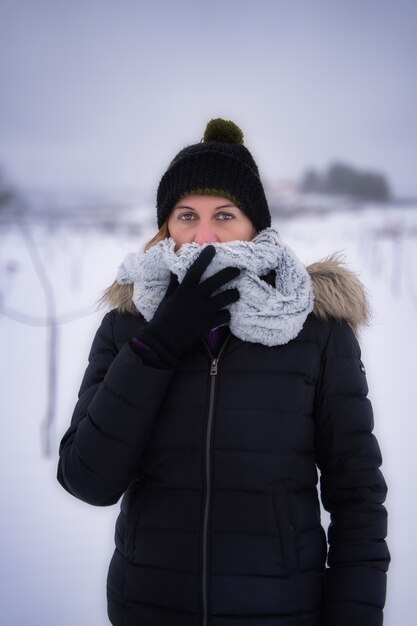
[189, 310]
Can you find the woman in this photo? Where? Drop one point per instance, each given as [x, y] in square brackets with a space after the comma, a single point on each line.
[224, 375]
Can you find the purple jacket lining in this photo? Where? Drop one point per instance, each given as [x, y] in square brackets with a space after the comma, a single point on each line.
[212, 338]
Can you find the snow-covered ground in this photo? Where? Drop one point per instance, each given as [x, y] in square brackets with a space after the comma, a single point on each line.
[54, 549]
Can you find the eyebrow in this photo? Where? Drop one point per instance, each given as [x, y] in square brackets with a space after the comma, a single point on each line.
[223, 206]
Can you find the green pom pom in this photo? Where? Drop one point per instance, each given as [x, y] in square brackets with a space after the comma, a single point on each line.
[225, 131]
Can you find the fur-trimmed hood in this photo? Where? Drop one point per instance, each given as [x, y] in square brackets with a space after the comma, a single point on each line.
[338, 293]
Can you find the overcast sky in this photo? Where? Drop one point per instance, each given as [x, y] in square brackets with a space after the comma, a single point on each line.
[101, 94]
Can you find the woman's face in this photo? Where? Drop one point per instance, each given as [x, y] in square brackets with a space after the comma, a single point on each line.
[208, 219]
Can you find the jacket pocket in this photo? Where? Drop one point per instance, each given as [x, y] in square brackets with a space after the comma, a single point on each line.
[132, 507]
[286, 530]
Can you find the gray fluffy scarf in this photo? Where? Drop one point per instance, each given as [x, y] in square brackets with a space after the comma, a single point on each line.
[266, 314]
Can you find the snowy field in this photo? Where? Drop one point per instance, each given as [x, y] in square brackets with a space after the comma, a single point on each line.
[54, 549]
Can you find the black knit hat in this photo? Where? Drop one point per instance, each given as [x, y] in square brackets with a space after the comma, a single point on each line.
[220, 165]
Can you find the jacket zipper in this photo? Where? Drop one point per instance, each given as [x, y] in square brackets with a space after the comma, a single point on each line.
[209, 430]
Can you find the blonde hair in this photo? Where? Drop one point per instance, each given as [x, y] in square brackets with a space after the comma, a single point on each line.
[120, 296]
[163, 233]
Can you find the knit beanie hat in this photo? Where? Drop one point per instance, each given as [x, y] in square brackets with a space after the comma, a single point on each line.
[220, 165]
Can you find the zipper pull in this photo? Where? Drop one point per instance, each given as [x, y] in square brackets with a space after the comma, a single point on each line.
[213, 369]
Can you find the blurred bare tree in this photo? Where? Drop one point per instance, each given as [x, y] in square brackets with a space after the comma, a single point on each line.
[6, 191]
[16, 204]
[341, 179]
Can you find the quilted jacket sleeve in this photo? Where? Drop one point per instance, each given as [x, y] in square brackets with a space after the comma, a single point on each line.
[117, 404]
[352, 487]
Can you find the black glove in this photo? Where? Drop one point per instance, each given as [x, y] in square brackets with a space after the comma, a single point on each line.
[188, 310]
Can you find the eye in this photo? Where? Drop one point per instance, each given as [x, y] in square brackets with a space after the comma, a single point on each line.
[185, 217]
[225, 216]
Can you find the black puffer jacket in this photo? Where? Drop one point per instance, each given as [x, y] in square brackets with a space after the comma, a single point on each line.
[220, 518]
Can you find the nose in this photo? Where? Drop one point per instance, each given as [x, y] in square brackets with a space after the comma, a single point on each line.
[205, 233]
